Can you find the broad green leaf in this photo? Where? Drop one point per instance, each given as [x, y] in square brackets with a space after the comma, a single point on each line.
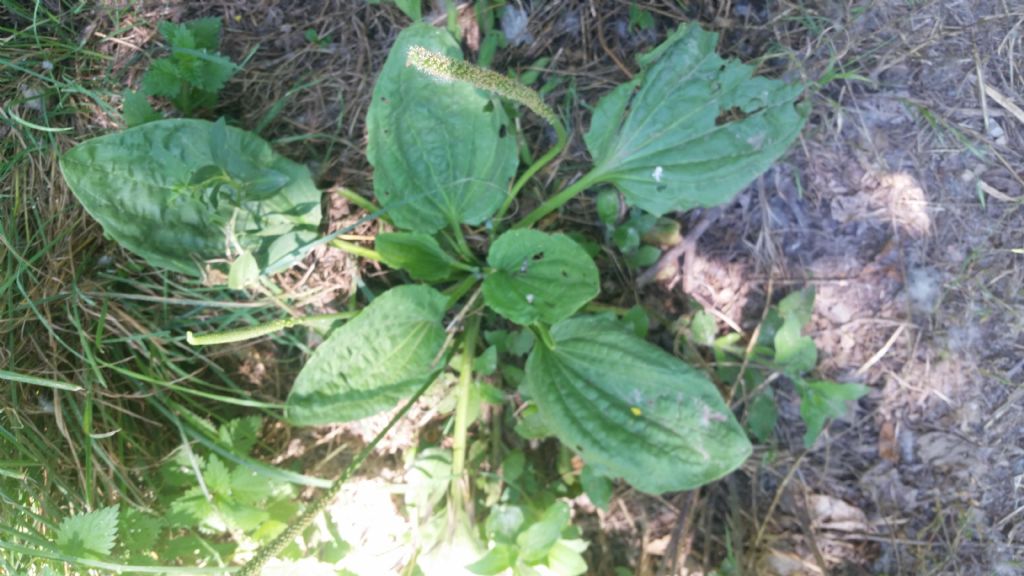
[796, 353]
[244, 271]
[762, 416]
[692, 129]
[535, 542]
[503, 523]
[442, 152]
[90, 534]
[821, 400]
[566, 558]
[703, 328]
[495, 561]
[538, 277]
[418, 254]
[608, 206]
[598, 488]
[372, 362]
[138, 185]
[799, 305]
[631, 409]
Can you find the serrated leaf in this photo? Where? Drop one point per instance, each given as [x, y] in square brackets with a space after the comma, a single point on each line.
[217, 477]
[211, 72]
[139, 531]
[599, 488]
[632, 409]
[162, 79]
[137, 110]
[495, 561]
[418, 254]
[538, 277]
[692, 129]
[249, 486]
[373, 361]
[441, 152]
[206, 32]
[190, 509]
[240, 434]
[821, 400]
[91, 534]
[536, 541]
[137, 184]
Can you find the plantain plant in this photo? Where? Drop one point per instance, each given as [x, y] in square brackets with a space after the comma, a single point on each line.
[690, 130]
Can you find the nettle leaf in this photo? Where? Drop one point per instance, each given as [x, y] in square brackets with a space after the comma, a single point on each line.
[539, 277]
[692, 129]
[139, 185]
[206, 32]
[418, 254]
[241, 434]
[631, 409]
[91, 534]
[442, 152]
[372, 362]
[139, 531]
[137, 110]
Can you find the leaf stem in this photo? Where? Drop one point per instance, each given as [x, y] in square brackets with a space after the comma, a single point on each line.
[534, 168]
[558, 200]
[354, 197]
[357, 250]
[250, 332]
[456, 292]
[463, 392]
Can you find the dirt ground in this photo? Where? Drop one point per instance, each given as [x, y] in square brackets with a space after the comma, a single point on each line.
[901, 203]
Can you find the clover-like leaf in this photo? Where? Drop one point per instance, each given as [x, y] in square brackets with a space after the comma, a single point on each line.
[139, 185]
[442, 152]
[369, 364]
[539, 277]
[692, 129]
[631, 409]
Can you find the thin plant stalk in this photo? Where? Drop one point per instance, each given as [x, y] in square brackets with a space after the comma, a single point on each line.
[251, 332]
[461, 427]
[558, 200]
[357, 250]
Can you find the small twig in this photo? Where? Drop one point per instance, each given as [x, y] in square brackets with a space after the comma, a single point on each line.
[682, 528]
[687, 248]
